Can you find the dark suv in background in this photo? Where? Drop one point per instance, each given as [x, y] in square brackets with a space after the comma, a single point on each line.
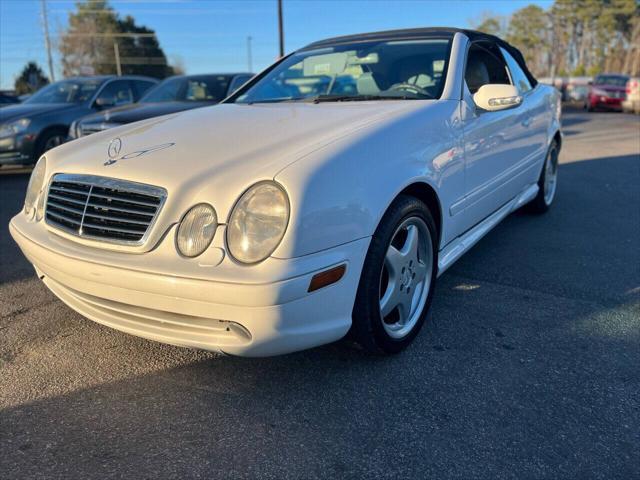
[41, 122]
[173, 94]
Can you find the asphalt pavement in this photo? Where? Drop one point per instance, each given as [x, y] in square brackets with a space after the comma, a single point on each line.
[529, 366]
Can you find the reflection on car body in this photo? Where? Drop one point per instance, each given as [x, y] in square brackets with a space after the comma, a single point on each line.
[42, 121]
[174, 94]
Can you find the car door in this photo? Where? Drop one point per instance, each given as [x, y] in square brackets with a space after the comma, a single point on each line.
[140, 87]
[494, 142]
[116, 93]
[535, 116]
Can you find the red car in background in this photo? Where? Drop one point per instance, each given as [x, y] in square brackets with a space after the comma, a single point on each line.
[607, 91]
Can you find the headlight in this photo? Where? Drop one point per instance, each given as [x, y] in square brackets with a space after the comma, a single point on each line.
[34, 189]
[12, 128]
[257, 222]
[599, 92]
[196, 230]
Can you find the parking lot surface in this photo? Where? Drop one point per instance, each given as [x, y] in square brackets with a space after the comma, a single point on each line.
[529, 367]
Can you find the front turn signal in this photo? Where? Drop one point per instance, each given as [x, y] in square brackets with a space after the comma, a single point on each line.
[326, 278]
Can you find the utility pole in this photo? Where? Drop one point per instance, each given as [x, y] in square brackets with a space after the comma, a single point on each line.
[116, 52]
[280, 28]
[47, 40]
[249, 57]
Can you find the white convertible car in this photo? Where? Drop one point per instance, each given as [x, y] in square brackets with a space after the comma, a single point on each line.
[320, 200]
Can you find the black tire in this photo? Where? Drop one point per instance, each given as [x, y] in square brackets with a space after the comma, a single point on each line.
[46, 138]
[540, 204]
[367, 329]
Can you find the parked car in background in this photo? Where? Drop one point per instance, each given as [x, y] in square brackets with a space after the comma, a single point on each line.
[576, 89]
[41, 122]
[302, 207]
[172, 95]
[8, 99]
[607, 91]
[632, 101]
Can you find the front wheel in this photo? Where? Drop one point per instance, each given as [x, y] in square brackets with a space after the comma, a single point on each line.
[398, 278]
[547, 183]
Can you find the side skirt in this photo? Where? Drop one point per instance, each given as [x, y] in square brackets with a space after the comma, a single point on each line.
[456, 248]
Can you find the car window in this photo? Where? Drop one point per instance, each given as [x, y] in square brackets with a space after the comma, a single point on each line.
[403, 69]
[207, 89]
[613, 80]
[518, 77]
[117, 92]
[201, 88]
[141, 87]
[237, 82]
[485, 66]
[66, 91]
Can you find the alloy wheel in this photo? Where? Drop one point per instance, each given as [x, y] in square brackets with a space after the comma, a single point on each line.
[406, 277]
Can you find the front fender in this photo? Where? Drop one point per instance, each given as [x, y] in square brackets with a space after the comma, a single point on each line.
[339, 193]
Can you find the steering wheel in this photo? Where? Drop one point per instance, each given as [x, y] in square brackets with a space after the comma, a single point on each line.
[412, 88]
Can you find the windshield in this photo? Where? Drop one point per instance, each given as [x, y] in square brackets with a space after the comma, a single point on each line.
[613, 80]
[408, 69]
[210, 88]
[66, 91]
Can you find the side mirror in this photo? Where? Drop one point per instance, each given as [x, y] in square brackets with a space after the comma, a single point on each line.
[105, 102]
[493, 97]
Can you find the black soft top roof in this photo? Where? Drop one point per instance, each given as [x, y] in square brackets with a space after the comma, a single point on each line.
[432, 32]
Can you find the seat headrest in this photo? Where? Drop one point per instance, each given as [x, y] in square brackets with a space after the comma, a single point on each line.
[370, 83]
[476, 74]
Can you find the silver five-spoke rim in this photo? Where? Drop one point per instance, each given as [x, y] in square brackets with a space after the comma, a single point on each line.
[550, 177]
[406, 277]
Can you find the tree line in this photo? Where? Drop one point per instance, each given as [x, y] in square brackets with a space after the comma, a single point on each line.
[573, 37]
[97, 41]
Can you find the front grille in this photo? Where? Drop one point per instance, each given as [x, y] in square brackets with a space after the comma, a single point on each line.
[102, 208]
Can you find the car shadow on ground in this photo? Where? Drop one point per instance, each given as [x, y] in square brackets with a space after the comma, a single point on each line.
[529, 365]
[13, 265]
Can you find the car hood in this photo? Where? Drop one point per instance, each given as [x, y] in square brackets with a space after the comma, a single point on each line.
[140, 111]
[15, 112]
[213, 154]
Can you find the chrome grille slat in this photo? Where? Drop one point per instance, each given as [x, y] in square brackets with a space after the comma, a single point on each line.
[120, 199]
[115, 219]
[103, 209]
[66, 208]
[70, 190]
[119, 209]
[65, 218]
[67, 199]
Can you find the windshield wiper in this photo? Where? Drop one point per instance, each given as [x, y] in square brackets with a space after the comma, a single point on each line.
[358, 98]
[275, 100]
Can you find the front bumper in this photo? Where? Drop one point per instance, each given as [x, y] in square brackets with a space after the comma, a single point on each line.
[240, 318]
[17, 150]
[606, 102]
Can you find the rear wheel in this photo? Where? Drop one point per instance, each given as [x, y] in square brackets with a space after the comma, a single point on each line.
[398, 278]
[547, 183]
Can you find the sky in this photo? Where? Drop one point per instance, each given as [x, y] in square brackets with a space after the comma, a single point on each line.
[211, 35]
